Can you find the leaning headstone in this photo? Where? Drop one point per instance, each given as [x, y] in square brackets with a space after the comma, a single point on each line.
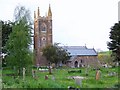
[97, 76]
[24, 73]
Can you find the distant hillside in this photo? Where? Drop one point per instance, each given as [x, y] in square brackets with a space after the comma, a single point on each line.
[105, 53]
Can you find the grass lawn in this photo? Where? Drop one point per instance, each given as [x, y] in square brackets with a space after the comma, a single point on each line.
[61, 79]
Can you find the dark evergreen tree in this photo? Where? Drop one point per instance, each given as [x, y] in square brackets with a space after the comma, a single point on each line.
[6, 30]
[114, 44]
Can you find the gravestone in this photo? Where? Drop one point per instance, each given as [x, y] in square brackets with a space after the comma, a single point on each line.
[33, 73]
[46, 77]
[78, 80]
[112, 74]
[38, 66]
[97, 76]
[24, 73]
[53, 78]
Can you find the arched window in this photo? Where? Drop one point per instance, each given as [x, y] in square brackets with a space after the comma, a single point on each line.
[76, 63]
[43, 27]
[81, 61]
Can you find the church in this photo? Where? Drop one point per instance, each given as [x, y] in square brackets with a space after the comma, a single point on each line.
[42, 35]
[81, 55]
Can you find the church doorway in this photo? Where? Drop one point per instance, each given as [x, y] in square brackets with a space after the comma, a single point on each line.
[76, 64]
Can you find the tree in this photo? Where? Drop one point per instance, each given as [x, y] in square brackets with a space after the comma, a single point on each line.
[6, 30]
[105, 57]
[114, 44]
[55, 54]
[49, 52]
[18, 45]
[62, 55]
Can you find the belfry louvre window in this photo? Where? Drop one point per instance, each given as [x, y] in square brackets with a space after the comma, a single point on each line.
[43, 29]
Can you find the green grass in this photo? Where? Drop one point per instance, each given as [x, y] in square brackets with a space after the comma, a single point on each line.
[61, 79]
[106, 52]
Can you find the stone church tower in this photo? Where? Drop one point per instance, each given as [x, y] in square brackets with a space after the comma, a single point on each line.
[42, 35]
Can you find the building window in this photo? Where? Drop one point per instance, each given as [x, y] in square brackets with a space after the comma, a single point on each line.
[43, 29]
[81, 61]
[76, 64]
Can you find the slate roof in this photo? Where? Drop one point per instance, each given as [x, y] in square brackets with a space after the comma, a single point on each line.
[80, 51]
[75, 47]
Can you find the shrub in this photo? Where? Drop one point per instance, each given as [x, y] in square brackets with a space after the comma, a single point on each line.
[75, 71]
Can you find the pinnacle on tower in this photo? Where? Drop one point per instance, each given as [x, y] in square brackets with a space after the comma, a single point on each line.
[49, 11]
[38, 13]
[34, 14]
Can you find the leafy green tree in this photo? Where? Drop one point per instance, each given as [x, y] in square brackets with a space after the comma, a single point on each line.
[55, 54]
[18, 45]
[114, 44]
[62, 55]
[105, 57]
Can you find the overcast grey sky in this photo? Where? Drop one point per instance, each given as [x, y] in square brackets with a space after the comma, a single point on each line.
[75, 22]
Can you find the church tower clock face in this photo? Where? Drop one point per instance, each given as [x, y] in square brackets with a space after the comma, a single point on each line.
[43, 41]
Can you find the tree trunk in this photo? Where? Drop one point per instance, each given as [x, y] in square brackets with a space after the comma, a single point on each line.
[19, 71]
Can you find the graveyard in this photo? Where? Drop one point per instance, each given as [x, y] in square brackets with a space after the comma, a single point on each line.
[27, 44]
[62, 77]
